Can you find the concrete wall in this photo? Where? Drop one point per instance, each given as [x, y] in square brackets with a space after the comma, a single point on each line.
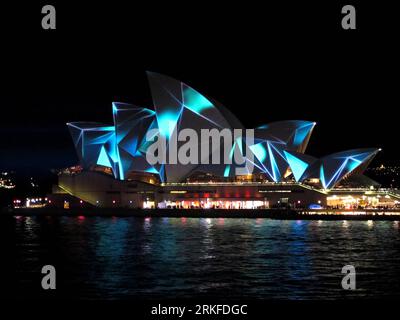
[104, 191]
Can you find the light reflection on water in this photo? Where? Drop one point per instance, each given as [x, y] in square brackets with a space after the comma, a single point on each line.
[131, 257]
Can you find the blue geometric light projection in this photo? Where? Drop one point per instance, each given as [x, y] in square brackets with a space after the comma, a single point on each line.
[244, 165]
[178, 106]
[131, 124]
[335, 167]
[293, 134]
[94, 142]
[297, 165]
[123, 147]
[275, 138]
[259, 151]
[322, 176]
[195, 101]
[167, 122]
[278, 148]
[103, 159]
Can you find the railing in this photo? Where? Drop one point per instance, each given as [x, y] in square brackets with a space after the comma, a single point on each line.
[252, 183]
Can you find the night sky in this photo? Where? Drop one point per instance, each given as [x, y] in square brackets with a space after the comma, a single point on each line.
[271, 63]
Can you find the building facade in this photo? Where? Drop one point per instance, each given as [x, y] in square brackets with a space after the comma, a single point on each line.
[275, 170]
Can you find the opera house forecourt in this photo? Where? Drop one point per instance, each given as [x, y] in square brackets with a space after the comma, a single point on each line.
[189, 151]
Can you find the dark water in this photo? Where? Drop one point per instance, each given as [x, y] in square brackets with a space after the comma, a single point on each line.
[113, 258]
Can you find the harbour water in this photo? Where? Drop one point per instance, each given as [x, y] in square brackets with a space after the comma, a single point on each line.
[146, 258]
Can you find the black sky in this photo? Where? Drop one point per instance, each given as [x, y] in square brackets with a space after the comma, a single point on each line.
[264, 62]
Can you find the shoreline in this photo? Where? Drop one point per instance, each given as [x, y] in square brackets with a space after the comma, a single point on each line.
[278, 214]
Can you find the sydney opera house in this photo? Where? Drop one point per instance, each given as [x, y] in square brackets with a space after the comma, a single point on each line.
[113, 169]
